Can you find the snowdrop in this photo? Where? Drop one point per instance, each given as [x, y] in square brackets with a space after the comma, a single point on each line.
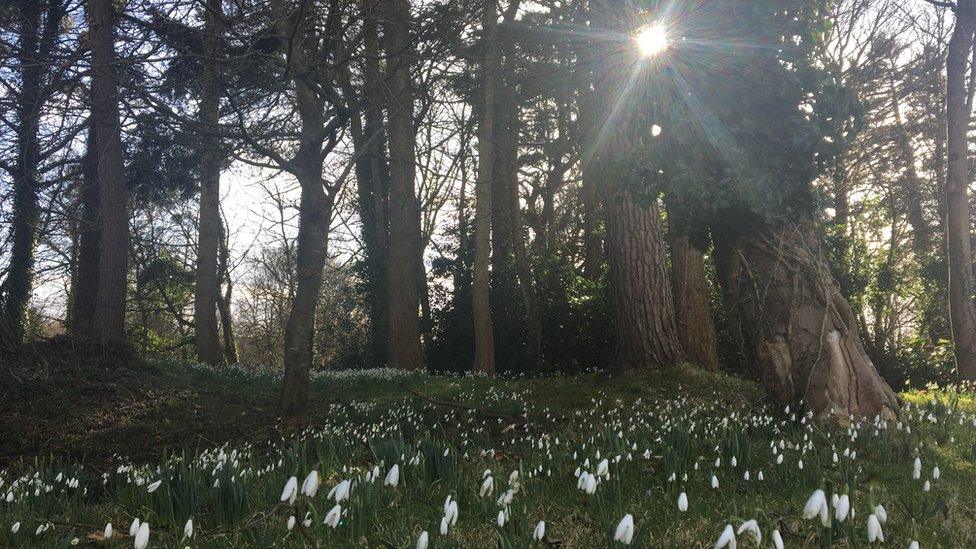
[188, 528]
[487, 486]
[501, 519]
[917, 469]
[290, 491]
[142, 536]
[340, 492]
[107, 533]
[842, 508]
[333, 516]
[874, 529]
[881, 513]
[291, 522]
[817, 505]
[15, 527]
[727, 539]
[311, 484]
[625, 530]
[154, 486]
[393, 476]
[777, 540]
[422, 540]
[936, 473]
[682, 502]
[540, 531]
[134, 527]
[752, 527]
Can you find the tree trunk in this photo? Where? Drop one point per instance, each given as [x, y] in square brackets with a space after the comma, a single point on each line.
[644, 325]
[911, 183]
[16, 289]
[207, 287]
[85, 284]
[109, 317]
[693, 316]
[962, 308]
[372, 183]
[789, 311]
[405, 348]
[484, 339]
[592, 239]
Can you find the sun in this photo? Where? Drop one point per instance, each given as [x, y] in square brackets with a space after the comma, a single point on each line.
[651, 40]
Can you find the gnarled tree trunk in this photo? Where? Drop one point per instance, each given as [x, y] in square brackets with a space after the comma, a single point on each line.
[692, 314]
[789, 311]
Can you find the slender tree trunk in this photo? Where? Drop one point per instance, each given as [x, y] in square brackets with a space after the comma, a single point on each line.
[527, 291]
[962, 308]
[911, 183]
[223, 305]
[207, 287]
[113, 199]
[405, 347]
[795, 322]
[484, 339]
[372, 182]
[693, 316]
[16, 289]
[646, 335]
[592, 239]
[85, 288]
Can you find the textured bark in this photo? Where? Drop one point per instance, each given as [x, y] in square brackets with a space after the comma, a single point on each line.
[405, 347]
[790, 313]
[644, 325]
[962, 308]
[692, 313]
[592, 239]
[85, 285]
[484, 339]
[113, 199]
[207, 287]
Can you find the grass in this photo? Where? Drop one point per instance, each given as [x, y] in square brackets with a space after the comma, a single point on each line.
[84, 453]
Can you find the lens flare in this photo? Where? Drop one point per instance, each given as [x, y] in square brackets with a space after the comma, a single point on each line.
[652, 40]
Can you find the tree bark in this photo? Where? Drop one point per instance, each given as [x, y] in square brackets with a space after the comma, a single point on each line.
[484, 339]
[644, 326]
[207, 287]
[109, 317]
[789, 311]
[405, 347]
[693, 316]
[85, 285]
[962, 308]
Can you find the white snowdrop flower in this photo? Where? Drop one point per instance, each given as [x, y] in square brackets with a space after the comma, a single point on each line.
[917, 469]
[422, 540]
[443, 526]
[817, 505]
[714, 482]
[154, 486]
[799, 464]
[291, 522]
[761, 476]
[727, 539]
[501, 519]
[603, 468]
[340, 492]
[682, 502]
[625, 530]
[333, 516]
[936, 473]
[290, 492]
[540, 531]
[842, 508]
[487, 486]
[779, 459]
[452, 513]
[188, 528]
[142, 536]
[10, 497]
[393, 476]
[735, 462]
[881, 513]
[107, 533]
[777, 540]
[874, 529]
[15, 527]
[913, 545]
[311, 484]
[746, 476]
[752, 527]
[134, 527]
[927, 486]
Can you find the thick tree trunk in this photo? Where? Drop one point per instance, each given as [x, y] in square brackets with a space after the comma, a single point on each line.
[113, 199]
[405, 347]
[644, 325]
[207, 287]
[484, 339]
[962, 308]
[789, 311]
[693, 316]
[85, 284]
